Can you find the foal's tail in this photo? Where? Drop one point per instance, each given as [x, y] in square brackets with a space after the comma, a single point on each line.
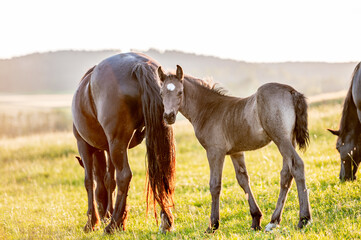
[301, 131]
[159, 140]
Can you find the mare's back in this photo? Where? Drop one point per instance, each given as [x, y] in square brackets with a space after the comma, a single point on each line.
[117, 68]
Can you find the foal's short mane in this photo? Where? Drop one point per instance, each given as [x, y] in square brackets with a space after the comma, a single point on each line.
[208, 84]
[348, 106]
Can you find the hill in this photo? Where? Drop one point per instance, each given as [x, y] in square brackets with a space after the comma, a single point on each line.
[60, 72]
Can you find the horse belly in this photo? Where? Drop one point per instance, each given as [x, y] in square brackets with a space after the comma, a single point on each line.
[257, 138]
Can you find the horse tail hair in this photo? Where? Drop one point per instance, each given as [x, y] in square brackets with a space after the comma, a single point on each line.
[300, 134]
[88, 72]
[160, 141]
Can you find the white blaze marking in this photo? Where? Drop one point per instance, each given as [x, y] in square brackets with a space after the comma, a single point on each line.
[170, 86]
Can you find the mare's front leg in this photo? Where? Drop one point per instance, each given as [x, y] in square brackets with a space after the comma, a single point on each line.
[119, 157]
[99, 163]
[110, 184]
[243, 180]
[216, 161]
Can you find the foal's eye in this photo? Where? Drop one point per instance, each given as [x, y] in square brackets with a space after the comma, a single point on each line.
[179, 94]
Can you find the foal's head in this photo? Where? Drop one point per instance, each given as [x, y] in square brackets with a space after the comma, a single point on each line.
[171, 92]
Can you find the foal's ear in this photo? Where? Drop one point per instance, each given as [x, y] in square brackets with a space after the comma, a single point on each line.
[179, 73]
[161, 74]
[334, 132]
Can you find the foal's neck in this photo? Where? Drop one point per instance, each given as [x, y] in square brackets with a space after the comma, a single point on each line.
[198, 100]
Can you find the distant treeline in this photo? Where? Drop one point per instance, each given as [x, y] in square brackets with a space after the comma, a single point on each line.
[60, 72]
[35, 122]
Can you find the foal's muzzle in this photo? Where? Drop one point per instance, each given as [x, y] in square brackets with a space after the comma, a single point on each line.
[169, 118]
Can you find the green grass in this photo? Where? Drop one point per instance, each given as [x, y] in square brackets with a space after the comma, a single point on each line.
[42, 195]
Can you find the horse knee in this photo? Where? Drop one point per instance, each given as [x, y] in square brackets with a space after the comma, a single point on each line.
[124, 178]
[88, 183]
[298, 169]
[215, 187]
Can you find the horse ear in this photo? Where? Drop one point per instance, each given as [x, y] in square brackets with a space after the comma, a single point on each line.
[161, 74]
[179, 73]
[334, 132]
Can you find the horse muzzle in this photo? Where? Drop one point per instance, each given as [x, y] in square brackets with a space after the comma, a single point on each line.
[169, 118]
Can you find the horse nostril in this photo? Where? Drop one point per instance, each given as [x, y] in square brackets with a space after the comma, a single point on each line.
[169, 117]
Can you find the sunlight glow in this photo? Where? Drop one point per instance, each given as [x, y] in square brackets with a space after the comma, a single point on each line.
[256, 31]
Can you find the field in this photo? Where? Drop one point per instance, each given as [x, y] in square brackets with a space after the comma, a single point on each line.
[43, 195]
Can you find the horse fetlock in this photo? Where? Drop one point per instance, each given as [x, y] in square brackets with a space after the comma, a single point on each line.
[92, 224]
[213, 226]
[256, 221]
[113, 227]
[304, 221]
[166, 224]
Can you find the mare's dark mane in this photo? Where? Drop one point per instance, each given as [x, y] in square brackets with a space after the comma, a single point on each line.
[349, 108]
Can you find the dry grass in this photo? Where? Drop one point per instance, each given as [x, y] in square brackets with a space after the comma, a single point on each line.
[43, 196]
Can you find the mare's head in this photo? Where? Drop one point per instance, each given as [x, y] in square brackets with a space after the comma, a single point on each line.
[171, 92]
[350, 154]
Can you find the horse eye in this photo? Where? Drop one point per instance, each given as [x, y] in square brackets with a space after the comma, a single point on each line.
[179, 93]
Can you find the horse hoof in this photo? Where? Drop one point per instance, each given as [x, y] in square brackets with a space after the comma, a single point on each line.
[256, 228]
[256, 223]
[304, 222]
[210, 230]
[110, 229]
[165, 230]
[270, 227]
[87, 228]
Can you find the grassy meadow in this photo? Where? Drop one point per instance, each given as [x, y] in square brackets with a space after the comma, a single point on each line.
[42, 194]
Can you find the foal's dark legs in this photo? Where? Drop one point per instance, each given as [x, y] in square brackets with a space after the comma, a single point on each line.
[243, 180]
[286, 181]
[293, 166]
[215, 160]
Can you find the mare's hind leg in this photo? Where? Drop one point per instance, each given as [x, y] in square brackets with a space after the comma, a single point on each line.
[110, 184]
[243, 180]
[99, 163]
[293, 166]
[86, 151]
[215, 160]
[119, 157]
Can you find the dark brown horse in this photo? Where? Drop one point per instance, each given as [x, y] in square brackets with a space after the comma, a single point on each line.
[349, 134]
[115, 100]
[226, 125]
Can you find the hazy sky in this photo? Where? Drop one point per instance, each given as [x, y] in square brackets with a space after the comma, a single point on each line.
[253, 30]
